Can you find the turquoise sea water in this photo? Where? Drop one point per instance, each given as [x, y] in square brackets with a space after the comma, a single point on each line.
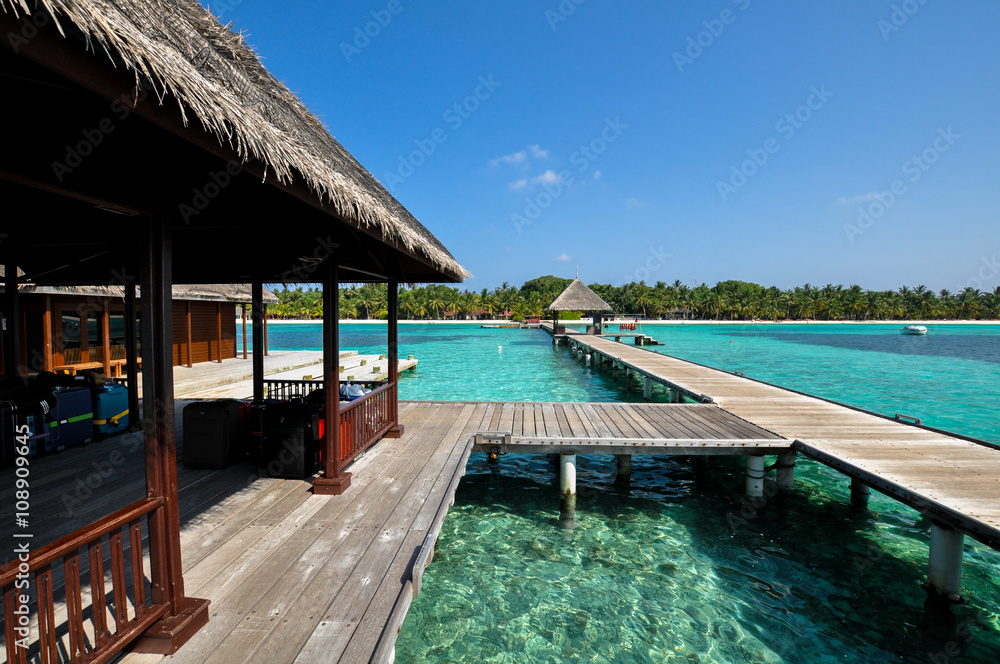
[677, 566]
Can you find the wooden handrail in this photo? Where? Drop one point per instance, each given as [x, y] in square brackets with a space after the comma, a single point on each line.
[53, 551]
[364, 421]
[90, 540]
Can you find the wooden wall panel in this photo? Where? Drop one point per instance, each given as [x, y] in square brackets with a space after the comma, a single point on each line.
[203, 332]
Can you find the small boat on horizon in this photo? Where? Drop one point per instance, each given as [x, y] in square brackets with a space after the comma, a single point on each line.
[914, 329]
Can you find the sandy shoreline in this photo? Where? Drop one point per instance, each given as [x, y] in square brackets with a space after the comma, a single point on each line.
[659, 322]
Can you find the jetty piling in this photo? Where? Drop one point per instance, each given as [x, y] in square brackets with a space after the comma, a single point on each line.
[755, 477]
[785, 471]
[944, 565]
[859, 493]
[567, 488]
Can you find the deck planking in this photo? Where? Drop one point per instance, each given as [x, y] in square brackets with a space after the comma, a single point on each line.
[296, 577]
[931, 471]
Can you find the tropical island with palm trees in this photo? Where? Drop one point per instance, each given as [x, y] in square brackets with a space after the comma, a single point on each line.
[725, 301]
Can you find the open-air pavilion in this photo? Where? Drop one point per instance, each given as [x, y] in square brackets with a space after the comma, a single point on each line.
[148, 147]
[579, 297]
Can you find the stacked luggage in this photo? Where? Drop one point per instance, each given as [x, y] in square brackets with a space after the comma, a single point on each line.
[214, 433]
[291, 441]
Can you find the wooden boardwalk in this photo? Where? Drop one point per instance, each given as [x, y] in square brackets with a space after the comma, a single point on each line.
[294, 577]
[954, 480]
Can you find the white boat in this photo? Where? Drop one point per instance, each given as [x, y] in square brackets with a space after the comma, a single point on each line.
[913, 329]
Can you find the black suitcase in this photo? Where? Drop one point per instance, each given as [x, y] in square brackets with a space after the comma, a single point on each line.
[212, 434]
[291, 446]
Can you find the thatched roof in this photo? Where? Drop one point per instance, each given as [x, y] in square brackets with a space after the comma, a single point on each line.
[578, 297]
[238, 293]
[215, 77]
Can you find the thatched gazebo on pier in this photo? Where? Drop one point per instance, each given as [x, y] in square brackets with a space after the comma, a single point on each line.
[148, 146]
[579, 297]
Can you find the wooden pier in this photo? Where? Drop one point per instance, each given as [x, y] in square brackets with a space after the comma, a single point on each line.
[298, 577]
[952, 479]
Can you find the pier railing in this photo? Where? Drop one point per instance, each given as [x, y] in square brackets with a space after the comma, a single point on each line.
[364, 421]
[81, 575]
[289, 389]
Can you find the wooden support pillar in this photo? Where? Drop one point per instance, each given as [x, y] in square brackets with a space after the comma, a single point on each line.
[258, 338]
[106, 335]
[393, 356]
[185, 615]
[218, 330]
[567, 489]
[334, 480]
[944, 566]
[624, 474]
[12, 318]
[84, 335]
[243, 308]
[132, 357]
[859, 493]
[264, 307]
[47, 334]
[755, 477]
[187, 322]
[786, 471]
[647, 388]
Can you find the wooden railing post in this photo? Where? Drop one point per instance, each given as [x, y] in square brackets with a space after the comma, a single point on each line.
[334, 481]
[131, 356]
[257, 328]
[393, 305]
[185, 615]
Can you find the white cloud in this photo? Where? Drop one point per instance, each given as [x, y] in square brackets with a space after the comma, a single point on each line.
[564, 258]
[548, 177]
[537, 152]
[635, 204]
[847, 200]
[518, 184]
[597, 175]
[512, 159]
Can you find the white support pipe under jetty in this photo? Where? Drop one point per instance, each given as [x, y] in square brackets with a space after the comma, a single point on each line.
[755, 477]
[786, 471]
[944, 565]
[567, 488]
[647, 388]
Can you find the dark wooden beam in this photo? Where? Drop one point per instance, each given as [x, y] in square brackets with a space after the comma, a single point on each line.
[97, 201]
[132, 357]
[393, 305]
[265, 329]
[258, 339]
[218, 330]
[243, 308]
[185, 615]
[187, 340]
[334, 481]
[12, 316]
[47, 333]
[106, 335]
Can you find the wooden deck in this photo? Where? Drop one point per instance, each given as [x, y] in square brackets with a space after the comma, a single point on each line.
[947, 477]
[295, 577]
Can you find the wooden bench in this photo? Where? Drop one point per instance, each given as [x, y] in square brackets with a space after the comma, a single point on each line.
[72, 360]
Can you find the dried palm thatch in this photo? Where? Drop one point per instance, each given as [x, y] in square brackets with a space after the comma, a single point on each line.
[208, 69]
[578, 297]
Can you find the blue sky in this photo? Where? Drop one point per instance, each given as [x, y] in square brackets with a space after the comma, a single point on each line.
[848, 142]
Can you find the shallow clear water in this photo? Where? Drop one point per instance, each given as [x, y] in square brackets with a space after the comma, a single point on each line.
[677, 566]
